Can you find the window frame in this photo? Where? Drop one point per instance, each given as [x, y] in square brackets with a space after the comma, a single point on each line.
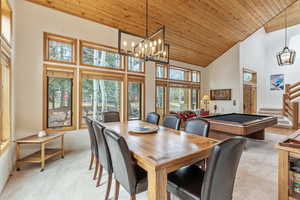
[187, 73]
[59, 69]
[136, 79]
[141, 66]
[99, 75]
[166, 71]
[165, 109]
[100, 47]
[198, 76]
[59, 38]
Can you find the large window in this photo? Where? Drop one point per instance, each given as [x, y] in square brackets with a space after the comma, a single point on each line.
[160, 100]
[195, 76]
[59, 83]
[195, 99]
[135, 98]
[178, 74]
[99, 56]
[178, 99]
[161, 71]
[100, 92]
[59, 49]
[135, 64]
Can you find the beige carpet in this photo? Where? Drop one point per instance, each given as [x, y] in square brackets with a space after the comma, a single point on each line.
[69, 179]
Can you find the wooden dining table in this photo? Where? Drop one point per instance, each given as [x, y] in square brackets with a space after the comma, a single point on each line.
[162, 152]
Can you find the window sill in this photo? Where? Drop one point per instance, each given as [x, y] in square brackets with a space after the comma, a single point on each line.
[4, 146]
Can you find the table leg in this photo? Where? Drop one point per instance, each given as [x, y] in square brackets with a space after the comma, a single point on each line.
[42, 157]
[62, 147]
[157, 184]
[283, 175]
[18, 156]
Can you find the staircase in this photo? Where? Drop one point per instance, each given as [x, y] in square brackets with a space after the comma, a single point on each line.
[283, 121]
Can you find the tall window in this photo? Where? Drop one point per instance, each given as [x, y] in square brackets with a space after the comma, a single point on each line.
[195, 76]
[100, 92]
[194, 99]
[59, 49]
[99, 56]
[178, 99]
[135, 64]
[135, 98]
[161, 71]
[160, 100]
[178, 74]
[60, 99]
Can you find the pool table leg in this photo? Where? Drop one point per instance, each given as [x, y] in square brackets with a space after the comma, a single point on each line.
[260, 135]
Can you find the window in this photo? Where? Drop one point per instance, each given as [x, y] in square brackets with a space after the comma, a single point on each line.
[60, 98]
[178, 74]
[100, 92]
[99, 56]
[194, 99]
[160, 100]
[5, 102]
[135, 64]
[195, 76]
[59, 49]
[178, 99]
[135, 98]
[247, 76]
[6, 20]
[161, 71]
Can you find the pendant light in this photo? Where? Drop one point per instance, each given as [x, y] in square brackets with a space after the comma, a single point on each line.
[286, 56]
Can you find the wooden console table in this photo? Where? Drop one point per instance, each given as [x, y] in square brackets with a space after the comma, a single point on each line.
[44, 153]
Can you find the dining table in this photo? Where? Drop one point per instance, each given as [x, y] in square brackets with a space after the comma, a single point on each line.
[162, 152]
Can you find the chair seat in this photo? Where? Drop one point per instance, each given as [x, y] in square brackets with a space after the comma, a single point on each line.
[186, 183]
[141, 177]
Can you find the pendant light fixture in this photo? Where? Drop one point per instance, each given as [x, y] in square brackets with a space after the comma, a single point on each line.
[149, 48]
[286, 56]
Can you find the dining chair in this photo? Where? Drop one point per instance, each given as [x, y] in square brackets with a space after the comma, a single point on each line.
[94, 147]
[197, 126]
[153, 118]
[105, 159]
[217, 182]
[126, 172]
[111, 116]
[172, 121]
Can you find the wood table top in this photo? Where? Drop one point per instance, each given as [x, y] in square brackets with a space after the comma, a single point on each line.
[34, 139]
[164, 147]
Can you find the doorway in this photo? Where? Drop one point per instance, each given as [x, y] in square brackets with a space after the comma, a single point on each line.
[250, 91]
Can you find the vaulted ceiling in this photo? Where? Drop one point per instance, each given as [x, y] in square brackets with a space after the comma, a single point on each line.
[199, 31]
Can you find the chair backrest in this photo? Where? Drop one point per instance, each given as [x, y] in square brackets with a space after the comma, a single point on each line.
[111, 116]
[172, 121]
[122, 161]
[197, 126]
[104, 159]
[89, 124]
[221, 170]
[153, 118]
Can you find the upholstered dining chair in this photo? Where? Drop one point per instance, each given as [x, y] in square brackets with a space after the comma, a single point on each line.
[94, 147]
[111, 116]
[172, 121]
[104, 159]
[217, 182]
[126, 172]
[197, 126]
[153, 118]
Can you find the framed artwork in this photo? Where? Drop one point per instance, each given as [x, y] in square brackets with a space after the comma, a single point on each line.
[277, 82]
[220, 94]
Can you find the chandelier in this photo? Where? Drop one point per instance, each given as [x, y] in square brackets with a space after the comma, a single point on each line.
[286, 56]
[149, 48]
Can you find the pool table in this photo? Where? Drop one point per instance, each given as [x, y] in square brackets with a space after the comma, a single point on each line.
[252, 126]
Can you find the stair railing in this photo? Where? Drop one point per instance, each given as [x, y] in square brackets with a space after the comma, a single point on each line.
[290, 107]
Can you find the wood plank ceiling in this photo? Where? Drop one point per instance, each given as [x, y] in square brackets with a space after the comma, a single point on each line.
[278, 22]
[199, 31]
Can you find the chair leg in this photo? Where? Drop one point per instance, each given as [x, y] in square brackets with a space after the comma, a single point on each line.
[108, 186]
[132, 197]
[96, 170]
[168, 196]
[92, 160]
[117, 190]
[99, 176]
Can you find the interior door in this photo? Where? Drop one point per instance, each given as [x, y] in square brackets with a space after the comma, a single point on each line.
[248, 99]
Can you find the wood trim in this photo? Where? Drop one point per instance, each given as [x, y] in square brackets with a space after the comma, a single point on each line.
[45, 95]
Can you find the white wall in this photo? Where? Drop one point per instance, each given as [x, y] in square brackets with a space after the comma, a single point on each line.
[252, 56]
[224, 73]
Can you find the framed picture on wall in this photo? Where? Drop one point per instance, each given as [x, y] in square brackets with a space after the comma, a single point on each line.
[277, 82]
[220, 94]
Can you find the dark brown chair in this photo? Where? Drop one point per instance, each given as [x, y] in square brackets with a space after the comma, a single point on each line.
[153, 118]
[94, 147]
[172, 121]
[217, 182]
[126, 172]
[105, 159]
[111, 117]
[197, 126]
